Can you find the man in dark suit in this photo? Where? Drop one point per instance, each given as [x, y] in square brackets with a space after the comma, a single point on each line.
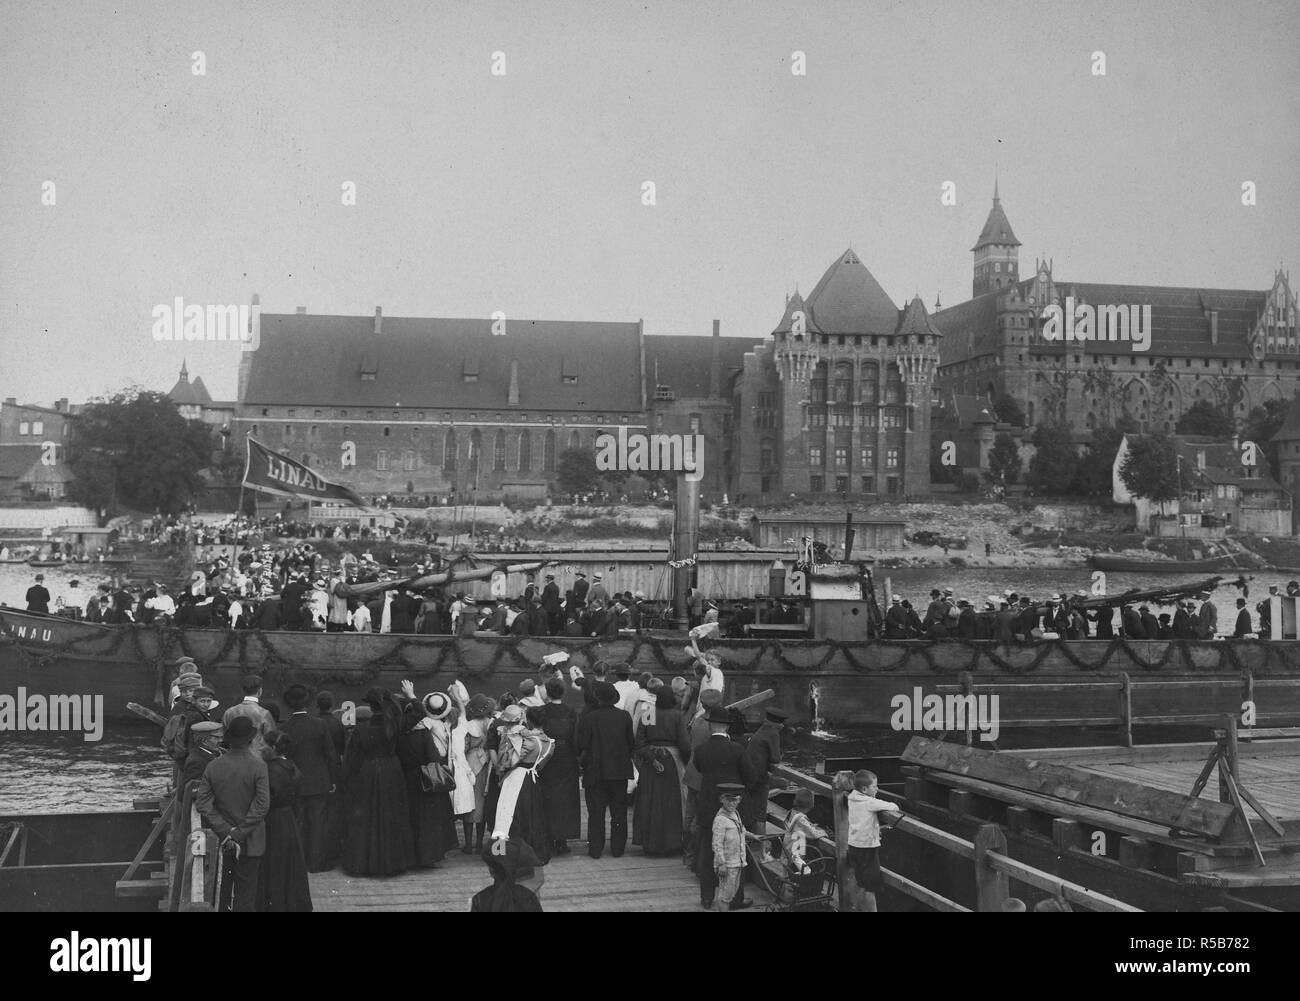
[1244, 626]
[580, 589]
[604, 743]
[764, 750]
[719, 760]
[233, 798]
[312, 750]
[38, 597]
[291, 603]
[551, 603]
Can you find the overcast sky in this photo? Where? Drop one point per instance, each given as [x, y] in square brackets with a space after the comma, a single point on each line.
[523, 192]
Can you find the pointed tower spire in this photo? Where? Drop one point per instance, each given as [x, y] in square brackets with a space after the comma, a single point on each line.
[185, 372]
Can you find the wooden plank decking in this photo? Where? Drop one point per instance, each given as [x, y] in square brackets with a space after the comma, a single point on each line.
[574, 882]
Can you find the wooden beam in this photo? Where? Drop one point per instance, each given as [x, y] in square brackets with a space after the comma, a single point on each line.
[1020, 820]
[1126, 708]
[1135, 853]
[753, 700]
[154, 833]
[922, 893]
[1226, 779]
[1056, 886]
[1073, 785]
[1066, 834]
[961, 802]
[990, 885]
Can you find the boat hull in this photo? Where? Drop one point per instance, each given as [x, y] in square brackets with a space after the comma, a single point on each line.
[845, 683]
[1125, 564]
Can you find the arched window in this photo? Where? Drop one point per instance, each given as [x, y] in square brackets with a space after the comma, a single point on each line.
[381, 460]
[449, 451]
[575, 440]
[475, 449]
[499, 451]
[893, 385]
[843, 387]
[408, 460]
[766, 456]
[548, 452]
[525, 451]
[869, 384]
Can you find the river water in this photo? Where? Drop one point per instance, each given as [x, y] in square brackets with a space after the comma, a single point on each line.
[42, 773]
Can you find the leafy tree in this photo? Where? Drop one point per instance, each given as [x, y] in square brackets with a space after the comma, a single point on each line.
[228, 463]
[1008, 410]
[1095, 474]
[1055, 461]
[1204, 418]
[1151, 469]
[576, 471]
[1264, 422]
[1004, 460]
[134, 449]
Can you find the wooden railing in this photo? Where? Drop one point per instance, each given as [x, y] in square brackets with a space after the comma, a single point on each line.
[988, 852]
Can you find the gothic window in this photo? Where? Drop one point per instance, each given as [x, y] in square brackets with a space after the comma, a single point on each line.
[893, 385]
[869, 384]
[843, 382]
[499, 451]
[408, 460]
[842, 417]
[817, 418]
[449, 451]
[381, 459]
[475, 450]
[841, 458]
[868, 458]
[870, 417]
[525, 451]
[765, 456]
[815, 455]
[548, 452]
[575, 440]
[890, 418]
[891, 458]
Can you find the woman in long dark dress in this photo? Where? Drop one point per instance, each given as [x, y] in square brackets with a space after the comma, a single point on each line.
[379, 839]
[517, 877]
[433, 826]
[662, 749]
[558, 781]
[282, 883]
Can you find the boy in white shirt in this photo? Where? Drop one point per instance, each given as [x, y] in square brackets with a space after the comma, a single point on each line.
[864, 835]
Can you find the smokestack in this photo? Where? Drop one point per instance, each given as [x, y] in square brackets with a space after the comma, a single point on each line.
[379, 320]
[715, 363]
[514, 384]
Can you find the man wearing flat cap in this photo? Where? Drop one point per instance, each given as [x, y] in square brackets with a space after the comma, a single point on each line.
[205, 748]
[720, 760]
[233, 798]
[764, 750]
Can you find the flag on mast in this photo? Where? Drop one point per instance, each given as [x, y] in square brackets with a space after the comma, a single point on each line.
[275, 473]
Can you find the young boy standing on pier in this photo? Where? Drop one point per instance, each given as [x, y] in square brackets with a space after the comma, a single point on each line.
[728, 845]
[864, 835]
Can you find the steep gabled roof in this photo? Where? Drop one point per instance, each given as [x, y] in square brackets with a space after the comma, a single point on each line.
[1290, 429]
[849, 300]
[915, 320]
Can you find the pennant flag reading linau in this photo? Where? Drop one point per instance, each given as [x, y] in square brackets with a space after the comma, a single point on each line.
[274, 473]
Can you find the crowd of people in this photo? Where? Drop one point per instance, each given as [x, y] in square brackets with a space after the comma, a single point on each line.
[1016, 618]
[401, 780]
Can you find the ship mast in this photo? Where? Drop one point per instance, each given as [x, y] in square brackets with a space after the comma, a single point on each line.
[686, 532]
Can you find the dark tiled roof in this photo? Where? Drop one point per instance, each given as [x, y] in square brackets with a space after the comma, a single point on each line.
[190, 393]
[787, 319]
[996, 228]
[849, 300]
[915, 320]
[683, 363]
[1180, 328]
[317, 360]
[1222, 464]
[16, 460]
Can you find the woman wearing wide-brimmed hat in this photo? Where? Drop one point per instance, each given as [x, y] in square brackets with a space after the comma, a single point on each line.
[428, 741]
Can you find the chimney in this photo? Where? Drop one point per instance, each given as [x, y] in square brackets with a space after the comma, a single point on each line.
[11, 401]
[514, 384]
[301, 310]
[715, 364]
[1214, 326]
[61, 405]
[379, 320]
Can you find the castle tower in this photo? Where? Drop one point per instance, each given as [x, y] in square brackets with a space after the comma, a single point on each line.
[997, 261]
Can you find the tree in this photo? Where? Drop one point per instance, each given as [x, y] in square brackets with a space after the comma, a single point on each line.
[1264, 422]
[1204, 418]
[1008, 410]
[1095, 475]
[134, 449]
[1004, 460]
[576, 471]
[1150, 469]
[1055, 461]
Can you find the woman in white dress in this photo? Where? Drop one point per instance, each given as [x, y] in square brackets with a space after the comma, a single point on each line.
[469, 760]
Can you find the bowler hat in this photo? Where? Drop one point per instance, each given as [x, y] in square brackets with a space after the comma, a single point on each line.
[296, 696]
[718, 715]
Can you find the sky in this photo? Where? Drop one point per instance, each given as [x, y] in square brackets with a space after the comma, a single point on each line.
[523, 192]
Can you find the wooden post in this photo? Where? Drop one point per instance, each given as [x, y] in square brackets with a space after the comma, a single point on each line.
[1227, 757]
[1248, 688]
[1126, 707]
[990, 885]
[841, 786]
[967, 689]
